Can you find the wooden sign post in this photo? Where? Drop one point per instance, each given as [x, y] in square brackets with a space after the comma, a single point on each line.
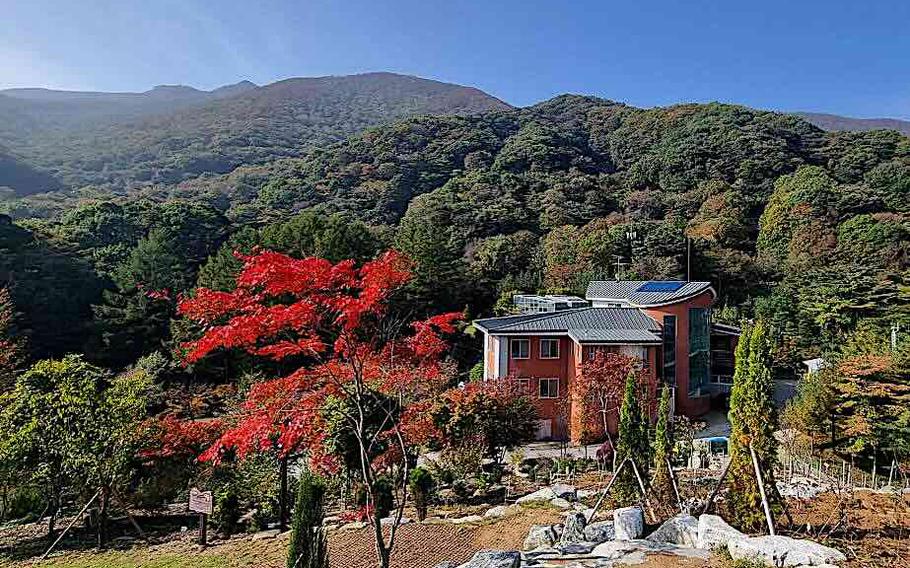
[201, 502]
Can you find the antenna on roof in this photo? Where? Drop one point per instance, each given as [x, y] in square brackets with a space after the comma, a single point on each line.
[619, 265]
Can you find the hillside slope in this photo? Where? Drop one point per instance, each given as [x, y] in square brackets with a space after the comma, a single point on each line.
[570, 158]
[173, 133]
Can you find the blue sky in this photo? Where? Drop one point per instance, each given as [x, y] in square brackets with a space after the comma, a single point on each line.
[846, 57]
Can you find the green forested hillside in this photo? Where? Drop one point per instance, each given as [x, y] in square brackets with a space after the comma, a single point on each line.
[808, 229]
[118, 141]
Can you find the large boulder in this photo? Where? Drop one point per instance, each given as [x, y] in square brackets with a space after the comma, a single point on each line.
[494, 559]
[613, 549]
[566, 492]
[600, 531]
[576, 548]
[573, 529]
[545, 494]
[629, 523]
[681, 530]
[561, 503]
[783, 551]
[714, 533]
[542, 536]
[497, 512]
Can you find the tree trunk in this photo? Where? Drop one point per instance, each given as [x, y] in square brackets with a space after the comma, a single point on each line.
[102, 517]
[603, 415]
[283, 495]
[53, 507]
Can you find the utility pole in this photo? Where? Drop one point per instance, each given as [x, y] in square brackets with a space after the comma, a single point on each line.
[688, 259]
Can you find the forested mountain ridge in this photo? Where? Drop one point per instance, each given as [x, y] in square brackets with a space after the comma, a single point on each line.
[171, 133]
[807, 228]
[846, 123]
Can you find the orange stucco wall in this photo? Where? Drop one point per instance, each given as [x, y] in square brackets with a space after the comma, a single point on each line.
[565, 413]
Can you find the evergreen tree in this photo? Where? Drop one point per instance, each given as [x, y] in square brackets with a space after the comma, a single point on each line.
[11, 348]
[661, 484]
[133, 321]
[633, 441]
[421, 484]
[753, 419]
[309, 547]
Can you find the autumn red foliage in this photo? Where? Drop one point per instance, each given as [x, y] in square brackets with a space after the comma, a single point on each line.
[600, 389]
[331, 321]
[171, 437]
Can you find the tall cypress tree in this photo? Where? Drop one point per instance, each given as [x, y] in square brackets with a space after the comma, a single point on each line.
[661, 484]
[309, 547]
[753, 419]
[633, 441]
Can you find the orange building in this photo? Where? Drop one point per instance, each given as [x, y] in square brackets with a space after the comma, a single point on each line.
[665, 324]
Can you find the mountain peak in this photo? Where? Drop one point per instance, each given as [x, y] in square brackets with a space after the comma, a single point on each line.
[173, 90]
[234, 89]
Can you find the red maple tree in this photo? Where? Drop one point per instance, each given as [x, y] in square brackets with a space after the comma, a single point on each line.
[600, 388]
[332, 320]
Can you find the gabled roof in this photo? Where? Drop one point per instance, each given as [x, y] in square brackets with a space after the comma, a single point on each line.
[631, 291]
[585, 325]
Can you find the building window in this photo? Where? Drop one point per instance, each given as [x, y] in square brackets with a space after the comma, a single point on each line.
[549, 349]
[699, 349]
[524, 386]
[593, 350]
[548, 388]
[520, 348]
[670, 349]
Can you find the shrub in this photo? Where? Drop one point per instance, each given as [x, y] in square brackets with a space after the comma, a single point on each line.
[309, 547]
[463, 460]
[421, 484]
[383, 499]
[226, 513]
[25, 501]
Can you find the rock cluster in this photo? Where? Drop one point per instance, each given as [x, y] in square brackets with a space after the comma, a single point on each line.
[582, 543]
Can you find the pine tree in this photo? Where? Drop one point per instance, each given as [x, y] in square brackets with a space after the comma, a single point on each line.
[309, 547]
[633, 441]
[11, 348]
[661, 484]
[753, 419]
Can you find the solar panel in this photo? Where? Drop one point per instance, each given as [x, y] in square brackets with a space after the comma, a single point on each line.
[660, 286]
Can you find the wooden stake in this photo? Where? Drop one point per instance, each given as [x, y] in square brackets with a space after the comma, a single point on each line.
[128, 514]
[203, 529]
[606, 490]
[717, 487]
[675, 487]
[783, 503]
[761, 490]
[644, 493]
[73, 522]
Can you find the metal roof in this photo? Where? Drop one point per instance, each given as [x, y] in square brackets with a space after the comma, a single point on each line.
[598, 325]
[628, 290]
[614, 336]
